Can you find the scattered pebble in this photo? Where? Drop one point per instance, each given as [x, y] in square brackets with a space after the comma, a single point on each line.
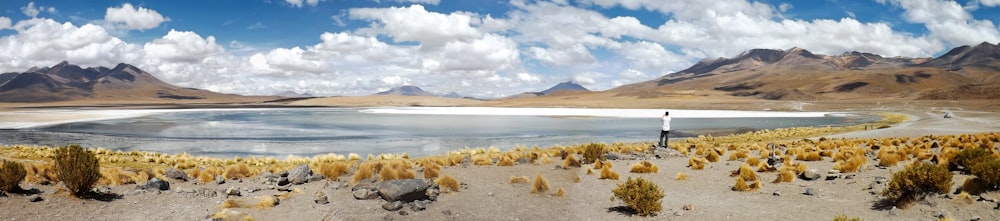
[418, 205]
[776, 193]
[810, 192]
[392, 206]
[688, 207]
[36, 199]
[320, 198]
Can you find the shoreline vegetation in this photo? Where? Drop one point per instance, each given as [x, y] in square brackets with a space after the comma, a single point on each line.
[748, 151]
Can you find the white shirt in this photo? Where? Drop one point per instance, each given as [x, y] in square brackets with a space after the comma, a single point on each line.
[666, 123]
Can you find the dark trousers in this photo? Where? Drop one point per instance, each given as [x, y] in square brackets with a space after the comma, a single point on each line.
[664, 136]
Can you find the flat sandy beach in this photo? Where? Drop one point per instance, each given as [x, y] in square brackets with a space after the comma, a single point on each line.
[487, 193]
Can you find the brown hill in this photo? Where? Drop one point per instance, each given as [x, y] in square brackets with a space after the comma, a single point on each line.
[797, 74]
[66, 82]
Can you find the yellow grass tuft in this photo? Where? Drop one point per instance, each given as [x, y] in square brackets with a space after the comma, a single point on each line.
[852, 163]
[644, 167]
[786, 176]
[265, 202]
[712, 156]
[889, 156]
[39, 173]
[590, 171]
[741, 185]
[745, 172]
[365, 170]
[505, 161]
[230, 203]
[577, 179]
[753, 161]
[231, 215]
[608, 174]
[334, 169]
[559, 193]
[681, 176]
[755, 185]
[518, 179]
[396, 170]
[964, 197]
[571, 161]
[697, 163]
[237, 171]
[974, 185]
[544, 159]
[540, 184]
[799, 168]
[482, 160]
[431, 171]
[448, 183]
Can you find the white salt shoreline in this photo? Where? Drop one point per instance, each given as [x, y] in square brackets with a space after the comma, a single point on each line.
[48, 117]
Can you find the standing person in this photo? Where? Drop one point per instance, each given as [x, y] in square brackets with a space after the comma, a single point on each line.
[665, 131]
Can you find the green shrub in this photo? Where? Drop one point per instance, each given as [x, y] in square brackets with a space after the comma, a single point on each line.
[915, 182]
[641, 195]
[77, 168]
[969, 157]
[593, 152]
[11, 174]
[989, 172]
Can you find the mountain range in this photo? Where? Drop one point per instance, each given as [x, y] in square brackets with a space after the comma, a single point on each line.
[65, 81]
[967, 72]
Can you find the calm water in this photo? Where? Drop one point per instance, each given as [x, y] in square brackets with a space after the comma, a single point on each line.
[281, 132]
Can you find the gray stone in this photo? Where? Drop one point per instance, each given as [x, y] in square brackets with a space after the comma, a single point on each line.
[320, 198]
[810, 175]
[880, 180]
[364, 194]
[976, 218]
[285, 188]
[283, 174]
[418, 205]
[174, 173]
[611, 156]
[233, 191]
[892, 211]
[997, 207]
[316, 177]
[432, 193]
[156, 184]
[36, 198]
[407, 190]
[849, 176]
[300, 174]
[283, 181]
[941, 214]
[776, 193]
[392, 206]
[403, 213]
[809, 192]
[219, 179]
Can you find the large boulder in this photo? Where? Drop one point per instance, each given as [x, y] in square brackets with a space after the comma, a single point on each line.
[406, 190]
[174, 173]
[300, 174]
[156, 184]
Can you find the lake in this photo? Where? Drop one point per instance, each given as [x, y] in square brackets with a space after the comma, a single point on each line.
[416, 131]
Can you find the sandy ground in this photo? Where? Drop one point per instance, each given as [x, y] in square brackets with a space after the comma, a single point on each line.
[490, 196]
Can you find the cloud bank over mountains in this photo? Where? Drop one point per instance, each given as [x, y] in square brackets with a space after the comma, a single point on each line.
[529, 47]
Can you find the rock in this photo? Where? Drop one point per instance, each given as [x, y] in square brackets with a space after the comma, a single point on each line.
[892, 211]
[300, 174]
[219, 179]
[941, 214]
[283, 174]
[810, 175]
[832, 175]
[403, 213]
[316, 177]
[407, 190]
[36, 198]
[678, 213]
[880, 180]
[997, 207]
[688, 207]
[776, 193]
[157, 184]
[364, 194]
[283, 181]
[285, 188]
[976, 218]
[523, 161]
[809, 192]
[490, 194]
[418, 205]
[392, 206]
[611, 156]
[367, 184]
[320, 198]
[233, 191]
[174, 173]
[432, 193]
[849, 176]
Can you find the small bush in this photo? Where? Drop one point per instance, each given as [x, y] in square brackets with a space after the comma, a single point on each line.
[644, 197]
[365, 170]
[540, 185]
[741, 185]
[974, 186]
[448, 183]
[334, 169]
[593, 153]
[753, 160]
[697, 163]
[989, 172]
[559, 193]
[238, 171]
[571, 161]
[915, 182]
[786, 176]
[77, 168]
[681, 176]
[518, 179]
[431, 171]
[11, 174]
[712, 156]
[644, 167]
[505, 161]
[966, 159]
[608, 174]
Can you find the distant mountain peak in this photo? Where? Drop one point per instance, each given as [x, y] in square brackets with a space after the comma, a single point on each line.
[568, 85]
[406, 90]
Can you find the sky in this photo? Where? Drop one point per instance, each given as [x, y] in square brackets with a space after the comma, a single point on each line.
[478, 48]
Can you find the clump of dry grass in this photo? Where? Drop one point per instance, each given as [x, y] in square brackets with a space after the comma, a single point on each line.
[559, 193]
[644, 167]
[482, 160]
[644, 197]
[697, 163]
[843, 217]
[448, 183]
[505, 161]
[264, 202]
[590, 171]
[786, 176]
[540, 185]
[889, 156]
[40, 173]
[745, 172]
[231, 215]
[850, 162]
[712, 156]
[518, 179]
[974, 185]
[544, 159]
[608, 174]
[395, 170]
[741, 185]
[964, 197]
[230, 203]
[11, 174]
[571, 161]
[681, 176]
[431, 170]
[237, 171]
[753, 161]
[333, 170]
[365, 170]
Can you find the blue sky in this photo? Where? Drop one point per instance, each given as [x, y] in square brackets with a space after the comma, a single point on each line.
[476, 48]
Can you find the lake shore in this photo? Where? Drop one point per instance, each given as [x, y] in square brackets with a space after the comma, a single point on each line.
[487, 193]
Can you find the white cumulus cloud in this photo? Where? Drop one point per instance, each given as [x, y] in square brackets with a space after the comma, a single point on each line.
[300, 3]
[131, 18]
[4, 23]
